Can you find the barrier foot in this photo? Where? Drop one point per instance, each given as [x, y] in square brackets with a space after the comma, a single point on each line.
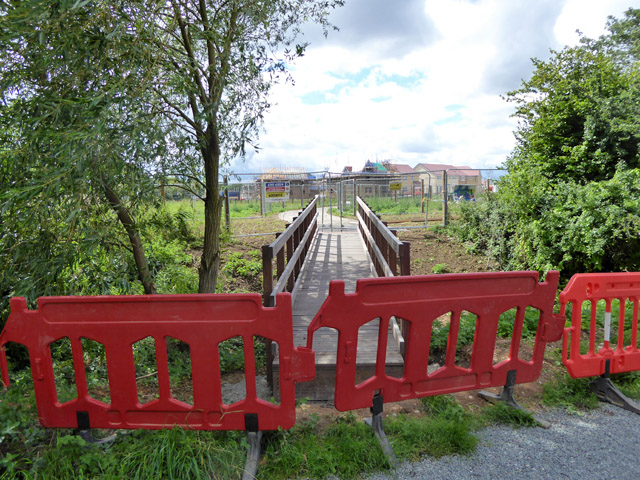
[606, 391]
[506, 396]
[84, 430]
[375, 422]
[88, 437]
[253, 456]
[255, 438]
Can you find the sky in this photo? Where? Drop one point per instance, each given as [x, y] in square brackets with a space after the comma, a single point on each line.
[416, 81]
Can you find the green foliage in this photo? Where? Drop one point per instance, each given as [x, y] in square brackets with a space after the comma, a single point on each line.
[175, 453]
[444, 406]
[503, 413]
[232, 354]
[390, 205]
[20, 431]
[238, 266]
[447, 430]
[467, 329]
[571, 393]
[441, 268]
[570, 200]
[345, 449]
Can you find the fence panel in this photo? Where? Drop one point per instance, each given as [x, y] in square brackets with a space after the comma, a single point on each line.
[423, 301]
[612, 291]
[118, 322]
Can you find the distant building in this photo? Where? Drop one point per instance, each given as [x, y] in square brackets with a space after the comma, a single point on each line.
[409, 178]
[457, 175]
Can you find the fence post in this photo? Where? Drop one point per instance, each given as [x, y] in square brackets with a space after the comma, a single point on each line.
[405, 258]
[267, 276]
[279, 260]
[227, 214]
[445, 208]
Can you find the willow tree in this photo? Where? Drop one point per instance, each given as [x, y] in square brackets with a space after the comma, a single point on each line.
[79, 140]
[109, 96]
[218, 60]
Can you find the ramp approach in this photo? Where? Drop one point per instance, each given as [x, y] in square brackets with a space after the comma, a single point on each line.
[337, 252]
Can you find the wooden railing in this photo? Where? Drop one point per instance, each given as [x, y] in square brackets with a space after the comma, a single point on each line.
[289, 250]
[387, 252]
[388, 255]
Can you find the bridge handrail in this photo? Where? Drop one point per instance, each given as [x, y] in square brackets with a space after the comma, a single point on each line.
[295, 242]
[384, 246]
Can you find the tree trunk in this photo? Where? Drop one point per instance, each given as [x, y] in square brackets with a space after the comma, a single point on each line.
[134, 239]
[210, 262]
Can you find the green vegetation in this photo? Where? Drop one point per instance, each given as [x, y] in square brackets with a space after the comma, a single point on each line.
[571, 393]
[467, 329]
[389, 205]
[346, 448]
[441, 268]
[504, 414]
[571, 199]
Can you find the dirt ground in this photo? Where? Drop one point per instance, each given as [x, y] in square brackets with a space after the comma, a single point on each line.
[430, 248]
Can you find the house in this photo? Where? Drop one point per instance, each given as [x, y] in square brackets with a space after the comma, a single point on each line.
[409, 178]
[456, 176]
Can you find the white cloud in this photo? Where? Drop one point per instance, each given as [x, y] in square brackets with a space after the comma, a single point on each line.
[417, 81]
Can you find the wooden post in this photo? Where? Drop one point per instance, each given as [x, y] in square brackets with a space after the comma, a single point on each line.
[267, 276]
[227, 214]
[393, 258]
[279, 260]
[405, 258]
[405, 269]
[354, 198]
[445, 208]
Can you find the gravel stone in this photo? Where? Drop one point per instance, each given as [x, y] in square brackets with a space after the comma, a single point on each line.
[601, 444]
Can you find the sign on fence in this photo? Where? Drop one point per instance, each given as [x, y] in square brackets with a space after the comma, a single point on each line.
[395, 186]
[277, 191]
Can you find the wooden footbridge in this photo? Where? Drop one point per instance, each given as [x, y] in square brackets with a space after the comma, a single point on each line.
[317, 248]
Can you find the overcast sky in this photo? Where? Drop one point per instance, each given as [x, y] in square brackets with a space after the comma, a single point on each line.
[417, 81]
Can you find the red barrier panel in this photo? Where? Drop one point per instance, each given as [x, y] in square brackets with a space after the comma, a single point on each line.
[118, 322]
[623, 356]
[422, 301]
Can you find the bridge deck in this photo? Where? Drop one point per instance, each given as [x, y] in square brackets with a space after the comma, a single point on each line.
[336, 254]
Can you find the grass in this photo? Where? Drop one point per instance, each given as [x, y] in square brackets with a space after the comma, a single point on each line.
[573, 394]
[346, 448]
[501, 413]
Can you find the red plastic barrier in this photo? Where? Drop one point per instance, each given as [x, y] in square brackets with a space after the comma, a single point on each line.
[591, 288]
[202, 321]
[422, 300]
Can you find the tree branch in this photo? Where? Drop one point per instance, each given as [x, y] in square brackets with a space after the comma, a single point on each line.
[211, 52]
[186, 42]
[179, 111]
[186, 189]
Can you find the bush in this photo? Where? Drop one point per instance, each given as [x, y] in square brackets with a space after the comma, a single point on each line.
[569, 226]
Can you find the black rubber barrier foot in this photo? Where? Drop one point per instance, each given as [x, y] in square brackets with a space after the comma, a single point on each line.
[606, 391]
[375, 422]
[253, 456]
[506, 396]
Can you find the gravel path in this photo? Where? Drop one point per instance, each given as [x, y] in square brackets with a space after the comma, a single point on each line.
[602, 444]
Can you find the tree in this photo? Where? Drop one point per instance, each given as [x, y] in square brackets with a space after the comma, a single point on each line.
[218, 60]
[172, 88]
[569, 200]
[81, 140]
